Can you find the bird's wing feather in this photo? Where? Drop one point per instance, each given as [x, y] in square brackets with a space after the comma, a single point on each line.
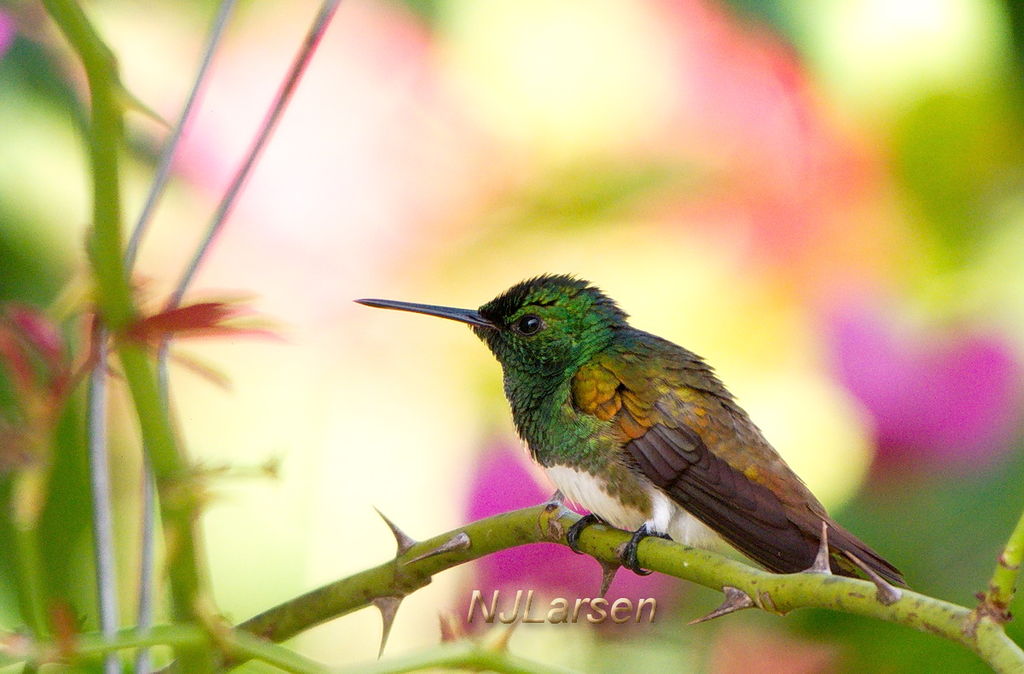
[747, 494]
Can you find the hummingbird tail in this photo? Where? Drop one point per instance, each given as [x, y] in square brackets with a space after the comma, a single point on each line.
[842, 541]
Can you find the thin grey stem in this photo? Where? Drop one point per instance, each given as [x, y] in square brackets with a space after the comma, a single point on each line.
[163, 172]
[145, 609]
[103, 521]
[147, 554]
[281, 99]
[147, 557]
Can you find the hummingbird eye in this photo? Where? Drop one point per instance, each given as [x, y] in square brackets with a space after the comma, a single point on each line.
[529, 325]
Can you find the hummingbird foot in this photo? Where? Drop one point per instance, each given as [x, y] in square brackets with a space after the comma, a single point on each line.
[572, 536]
[629, 559]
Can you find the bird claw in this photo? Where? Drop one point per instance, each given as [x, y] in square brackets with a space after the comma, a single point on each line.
[572, 536]
[629, 558]
[630, 561]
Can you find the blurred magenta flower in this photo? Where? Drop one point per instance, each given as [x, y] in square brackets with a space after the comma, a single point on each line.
[501, 482]
[6, 31]
[934, 396]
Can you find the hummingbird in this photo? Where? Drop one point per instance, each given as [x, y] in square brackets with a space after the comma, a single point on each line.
[643, 434]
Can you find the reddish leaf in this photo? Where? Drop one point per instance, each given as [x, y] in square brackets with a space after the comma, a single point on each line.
[203, 319]
[15, 360]
[32, 350]
[65, 629]
[39, 332]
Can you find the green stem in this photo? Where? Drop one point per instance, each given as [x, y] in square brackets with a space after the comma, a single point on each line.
[778, 593]
[457, 655]
[93, 646]
[179, 511]
[114, 298]
[1008, 565]
[30, 585]
[245, 645]
[106, 133]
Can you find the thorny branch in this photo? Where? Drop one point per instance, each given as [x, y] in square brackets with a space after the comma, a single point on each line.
[414, 565]
[995, 603]
[744, 586]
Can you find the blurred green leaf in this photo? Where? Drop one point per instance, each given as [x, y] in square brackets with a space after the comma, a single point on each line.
[958, 154]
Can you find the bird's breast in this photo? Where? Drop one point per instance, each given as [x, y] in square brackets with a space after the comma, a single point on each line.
[592, 492]
[655, 508]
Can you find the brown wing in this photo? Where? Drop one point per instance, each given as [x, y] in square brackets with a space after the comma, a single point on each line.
[745, 513]
[743, 490]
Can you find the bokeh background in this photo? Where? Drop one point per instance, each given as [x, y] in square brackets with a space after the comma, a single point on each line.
[823, 199]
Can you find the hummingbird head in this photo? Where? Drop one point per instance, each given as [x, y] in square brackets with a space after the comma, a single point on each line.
[544, 326]
[550, 324]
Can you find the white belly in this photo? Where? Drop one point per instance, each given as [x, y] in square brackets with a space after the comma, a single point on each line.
[585, 490]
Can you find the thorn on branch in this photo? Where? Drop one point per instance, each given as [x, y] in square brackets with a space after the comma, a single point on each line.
[766, 603]
[735, 600]
[459, 541]
[405, 542]
[497, 639]
[550, 522]
[608, 571]
[452, 629]
[886, 594]
[821, 560]
[388, 607]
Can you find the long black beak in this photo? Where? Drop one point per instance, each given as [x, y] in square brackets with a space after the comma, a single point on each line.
[471, 316]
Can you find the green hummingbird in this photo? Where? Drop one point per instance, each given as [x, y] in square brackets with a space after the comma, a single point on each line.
[643, 434]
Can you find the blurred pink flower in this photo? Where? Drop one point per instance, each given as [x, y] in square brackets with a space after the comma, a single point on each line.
[370, 159]
[7, 31]
[747, 648]
[784, 181]
[501, 482]
[935, 396]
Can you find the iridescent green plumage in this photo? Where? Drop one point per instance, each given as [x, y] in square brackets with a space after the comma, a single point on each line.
[641, 431]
